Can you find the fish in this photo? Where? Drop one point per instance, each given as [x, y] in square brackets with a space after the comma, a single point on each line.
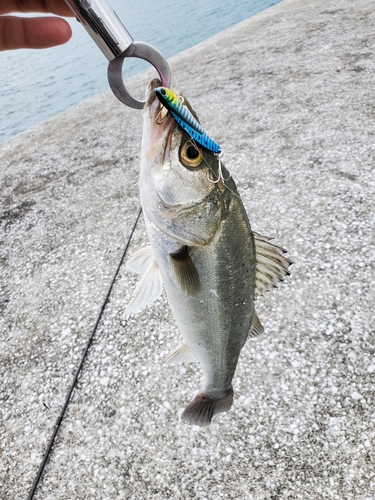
[202, 252]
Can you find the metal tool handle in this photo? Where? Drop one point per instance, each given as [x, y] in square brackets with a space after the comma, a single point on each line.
[111, 36]
[103, 25]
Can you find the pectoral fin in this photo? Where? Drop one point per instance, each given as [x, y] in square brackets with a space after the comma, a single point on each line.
[185, 271]
[147, 291]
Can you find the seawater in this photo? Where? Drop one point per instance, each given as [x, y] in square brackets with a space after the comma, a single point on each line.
[37, 84]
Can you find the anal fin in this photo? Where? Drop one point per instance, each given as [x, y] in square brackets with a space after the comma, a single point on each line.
[182, 354]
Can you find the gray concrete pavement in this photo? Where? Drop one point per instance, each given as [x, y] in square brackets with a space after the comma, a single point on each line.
[289, 95]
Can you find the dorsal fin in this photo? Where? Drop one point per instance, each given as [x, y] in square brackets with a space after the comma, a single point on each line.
[271, 264]
[256, 327]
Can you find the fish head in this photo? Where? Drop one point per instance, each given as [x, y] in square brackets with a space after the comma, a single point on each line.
[177, 175]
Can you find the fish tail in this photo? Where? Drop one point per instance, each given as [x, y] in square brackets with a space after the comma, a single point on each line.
[201, 410]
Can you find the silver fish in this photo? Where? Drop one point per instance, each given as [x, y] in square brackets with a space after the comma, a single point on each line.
[203, 252]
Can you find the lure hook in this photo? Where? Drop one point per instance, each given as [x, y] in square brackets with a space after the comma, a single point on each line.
[220, 176]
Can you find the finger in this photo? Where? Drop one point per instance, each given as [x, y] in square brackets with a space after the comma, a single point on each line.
[33, 33]
[58, 7]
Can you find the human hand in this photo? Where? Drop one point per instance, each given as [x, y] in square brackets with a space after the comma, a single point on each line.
[34, 32]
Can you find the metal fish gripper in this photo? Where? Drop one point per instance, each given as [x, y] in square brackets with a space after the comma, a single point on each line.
[113, 39]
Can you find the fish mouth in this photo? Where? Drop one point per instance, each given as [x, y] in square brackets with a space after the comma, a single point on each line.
[161, 124]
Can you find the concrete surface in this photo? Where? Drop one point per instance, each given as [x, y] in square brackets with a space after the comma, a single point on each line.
[289, 95]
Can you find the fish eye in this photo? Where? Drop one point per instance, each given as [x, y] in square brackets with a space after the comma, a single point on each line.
[191, 155]
[192, 152]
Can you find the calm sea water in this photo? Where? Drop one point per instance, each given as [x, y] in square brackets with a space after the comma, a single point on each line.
[35, 85]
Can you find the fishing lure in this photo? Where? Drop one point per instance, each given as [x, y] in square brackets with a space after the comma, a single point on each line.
[185, 119]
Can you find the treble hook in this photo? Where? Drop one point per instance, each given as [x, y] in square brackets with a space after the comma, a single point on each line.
[111, 36]
[220, 176]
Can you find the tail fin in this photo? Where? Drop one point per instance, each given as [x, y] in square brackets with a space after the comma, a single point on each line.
[201, 410]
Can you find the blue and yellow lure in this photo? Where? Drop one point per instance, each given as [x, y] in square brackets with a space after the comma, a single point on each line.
[185, 119]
